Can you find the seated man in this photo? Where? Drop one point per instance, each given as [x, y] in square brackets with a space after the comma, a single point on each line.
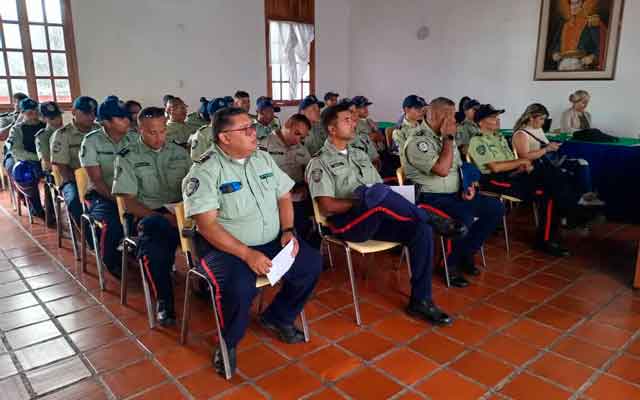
[178, 131]
[335, 173]
[241, 99]
[199, 118]
[310, 108]
[286, 148]
[330, 100]
[266, 123]
[65, 149]
[412, 122]
[149, 175]
[98, 152]
[52, 116]
[241, 205]
[21, 148]
[367, 127]
[202, 139]
[431, 160]
[134, 108]
[467, 128]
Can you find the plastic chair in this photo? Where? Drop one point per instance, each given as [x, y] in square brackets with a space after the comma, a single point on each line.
[58, 201]
[187, 230]
[82, 182]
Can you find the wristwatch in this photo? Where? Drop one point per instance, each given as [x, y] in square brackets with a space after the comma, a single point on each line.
[290, 229]
[450, 137]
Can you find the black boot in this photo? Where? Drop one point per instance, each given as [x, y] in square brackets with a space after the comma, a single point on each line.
[554, 249]
[165, 315]
[287, 333]
[218, 362]
[428, 311]
[447, 227]
[469, 267]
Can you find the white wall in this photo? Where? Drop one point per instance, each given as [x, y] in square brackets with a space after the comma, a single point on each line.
[485, 49]
[143, 49]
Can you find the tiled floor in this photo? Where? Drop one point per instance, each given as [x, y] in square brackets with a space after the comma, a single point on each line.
[530, 328]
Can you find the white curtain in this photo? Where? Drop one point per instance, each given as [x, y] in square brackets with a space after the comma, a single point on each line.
[291, 47]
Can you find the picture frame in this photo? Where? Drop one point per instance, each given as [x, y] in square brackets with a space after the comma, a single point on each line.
[578, 39]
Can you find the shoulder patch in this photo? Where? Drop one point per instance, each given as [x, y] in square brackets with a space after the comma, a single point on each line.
[423, 147]
[316, 175]
[204, 157]
[481, 149]
[191, 186]
[56, 147]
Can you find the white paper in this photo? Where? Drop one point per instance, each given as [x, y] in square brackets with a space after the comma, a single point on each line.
[171, 207]
[406, 191]
[281, 264]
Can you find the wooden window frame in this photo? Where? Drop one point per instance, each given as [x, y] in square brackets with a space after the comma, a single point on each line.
[27, 50]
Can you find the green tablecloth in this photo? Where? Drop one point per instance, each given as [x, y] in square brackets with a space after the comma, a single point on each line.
[382, 125]
[566, 137]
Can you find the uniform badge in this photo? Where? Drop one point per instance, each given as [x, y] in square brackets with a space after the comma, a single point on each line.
[423, 147]
[482, 150]
[192, 186]
[316, 175]
[57, 146]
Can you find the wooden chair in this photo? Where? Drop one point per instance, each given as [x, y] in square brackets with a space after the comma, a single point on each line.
[363, 248]
[86, 220]
[187, 230]
[388, 135]
[59, 204]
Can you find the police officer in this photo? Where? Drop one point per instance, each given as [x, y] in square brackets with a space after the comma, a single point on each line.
[286, 148]
[202, 139]
[331, 99]
[432, 161]
[149, 175]
[65, 149]
[98, 152]
[241, 99]
[335, 173]
[21, 147]
[199, 118]
[412, 121]
[178, 131]
[52, 116]
[134, 108]
[241, 204]
[7, 120]
[266, 122]
[366, 126]
[468, 127]
[503, 173]
[310, 108]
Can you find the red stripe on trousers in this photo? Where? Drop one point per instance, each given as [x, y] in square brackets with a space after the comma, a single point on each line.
[500, 184]
[442, 214]
[145, 262]
[547, 228]
[217, 295]
[367, 214]
[103, 236]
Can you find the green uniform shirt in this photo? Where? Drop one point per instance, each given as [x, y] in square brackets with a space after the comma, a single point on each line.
[152, 177]
[290, 159]
[407, 129]
[195, 121]
[200, 141]
[245, 195]
[179, 132]
[486, 148]
[316, 138]
[262, 131]
[420, 153]
[99, 150]
[332, 173]
[363, 142]
[21, 146]
[466, 130]
[43, 141]
[65, 145]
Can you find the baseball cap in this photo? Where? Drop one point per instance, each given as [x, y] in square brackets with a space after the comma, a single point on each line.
[112, 107]
[414, 101]
[266, 102]
[88, 104]
[50, 109]
[486, 110]
[361, 101]
[309, 101]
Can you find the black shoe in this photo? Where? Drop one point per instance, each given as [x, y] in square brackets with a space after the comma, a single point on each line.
[287, 333]
[165, 314]
[37, 213]
[447, 227]
[218, 362]
[428, 311]
[469, 268]
[553, 249]
[458, 281]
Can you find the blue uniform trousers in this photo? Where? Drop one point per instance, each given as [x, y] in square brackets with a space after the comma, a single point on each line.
[106, 211]
[69, 191]
[235, 286]
[488, 210]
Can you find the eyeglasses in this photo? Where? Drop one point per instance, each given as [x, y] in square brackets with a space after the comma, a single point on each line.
[248, 130]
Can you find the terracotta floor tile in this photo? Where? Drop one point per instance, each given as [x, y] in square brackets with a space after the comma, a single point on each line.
[510, 303]
[489, 315]
[44, 353]
[573, 305]
[43, 281]
[334, 327]
[619, 318]
[9, 276]
[17, 302]
[554, 317]
[603, 335]
[327, 394]
[530, 293]
[134, 378]
[442, 385]
[28, 256]
[58, 291]
[548, 281]
[295, 351]
[115, 355]
[168, 391]
[608, 387]
[437, 347]
[334, 298]
[533, 332]
[627, 368]
[70, 304]
[28, 335]
[509, 349]
[184, 359]
[494, 280]
[366, 345]
[7, 368]
[83, 319]
[12, 288]
[298, 384]
[567, 373]
[453, 303]
[526, 387]
[368, 384]
[84, 390]
[205, 383]
[14, 389]
[482, 368]
[60, 374]
[634, 348]
[36, 270]
[331, 363]
[584, 352]
[466, 331]
[400, 328]
[369, 313]
[244, 392]
[259, 360]
[396, 364]
[91, 338]
[158, 341]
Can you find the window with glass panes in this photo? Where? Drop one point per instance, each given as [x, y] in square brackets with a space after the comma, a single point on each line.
[37, 54]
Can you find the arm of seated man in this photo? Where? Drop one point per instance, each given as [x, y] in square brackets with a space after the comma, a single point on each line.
[331, 206]
[139, 210]
[66, 173]
[285, 210]
[95, 176]
[521, 165]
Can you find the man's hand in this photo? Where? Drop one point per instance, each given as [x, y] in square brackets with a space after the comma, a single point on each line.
[553, 146]
[258, 262]
[449, 127]
[286, 238]
[469, 194]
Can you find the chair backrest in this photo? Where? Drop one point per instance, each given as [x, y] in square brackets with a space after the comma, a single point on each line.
[388, 135]
[122, 210]
[82, 182]
[184, 223]
[57, 178]
[400, 176]
[320, 219]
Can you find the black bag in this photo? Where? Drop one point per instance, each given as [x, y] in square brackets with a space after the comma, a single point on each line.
[594, 135]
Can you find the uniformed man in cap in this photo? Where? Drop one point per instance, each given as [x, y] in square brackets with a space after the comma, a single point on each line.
[468, 127]
[266, 123]
[202, 139]
[178, 131]
[241, 204]
[366, 126]
[431, 161]
[241, 99]
[52, 117]
[65, 149]
[336, 174]
[7, 120]
[149, 175]
[98, 152]
[331, 99]
[286, 148]
[134, 108]
[200, 118]
[310, 108]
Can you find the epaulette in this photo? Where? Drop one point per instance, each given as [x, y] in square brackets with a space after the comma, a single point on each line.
[40, 132]
[91, 133]
[317, 153]
[261, 147]
[593, 21]
[124, 152]
[204, 157]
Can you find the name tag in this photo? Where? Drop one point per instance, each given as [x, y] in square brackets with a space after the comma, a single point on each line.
[141, 164]
[277, 153]
[110, 153]
[230, 187]
[336, 165]
[267, 175]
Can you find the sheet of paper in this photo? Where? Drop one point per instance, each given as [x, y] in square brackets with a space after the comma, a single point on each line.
[406, 191]
[171, 207]
[281, 264]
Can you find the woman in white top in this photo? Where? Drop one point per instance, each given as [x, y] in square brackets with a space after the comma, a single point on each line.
[577, 118]
[530, 142]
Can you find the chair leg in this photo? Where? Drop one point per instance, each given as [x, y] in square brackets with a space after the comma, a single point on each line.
[96, 252]
[186, 310]
[147, 296]
[326, 242]
[405, 252]
[505, 227]
[536, 218]
[354, 290]
[123, 273]
[444, 260]
[305, 326]
[72, 232]
[58, 211]
[484, 259]
[260, 300]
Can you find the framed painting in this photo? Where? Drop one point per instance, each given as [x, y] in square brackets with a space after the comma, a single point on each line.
[578, 39]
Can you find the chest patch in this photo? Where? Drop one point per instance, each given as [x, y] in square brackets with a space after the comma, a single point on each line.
[423, 147]
[482, 150]
[316, 175]
[191, 187]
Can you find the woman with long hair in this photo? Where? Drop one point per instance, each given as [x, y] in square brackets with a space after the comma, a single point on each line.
[577, 117]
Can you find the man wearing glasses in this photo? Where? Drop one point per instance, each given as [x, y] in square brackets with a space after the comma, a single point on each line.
[149, 176]
[242, 207]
